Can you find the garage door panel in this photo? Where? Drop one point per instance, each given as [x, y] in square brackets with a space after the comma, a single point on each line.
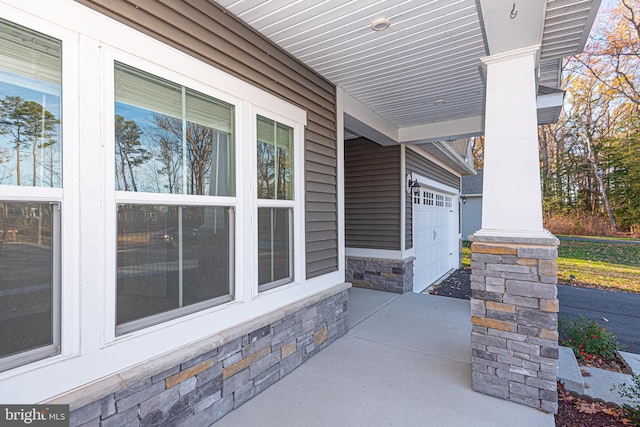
[433, 221]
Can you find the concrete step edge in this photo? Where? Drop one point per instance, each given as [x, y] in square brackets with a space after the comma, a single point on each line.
[568, 370]
[632, 360]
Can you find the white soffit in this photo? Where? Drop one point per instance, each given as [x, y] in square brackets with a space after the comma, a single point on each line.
[429, 53]
[566, 28]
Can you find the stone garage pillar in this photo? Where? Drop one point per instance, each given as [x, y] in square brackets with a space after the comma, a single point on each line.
[514, 273]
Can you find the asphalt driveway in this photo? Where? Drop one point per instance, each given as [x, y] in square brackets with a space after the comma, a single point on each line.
[621, 309]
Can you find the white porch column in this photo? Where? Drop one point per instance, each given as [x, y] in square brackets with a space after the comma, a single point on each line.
[513, 262]
[511, 198]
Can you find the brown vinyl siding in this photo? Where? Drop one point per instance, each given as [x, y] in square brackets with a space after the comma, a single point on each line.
[408, 215]
[414, 162]
[203, 30]
[372, 195]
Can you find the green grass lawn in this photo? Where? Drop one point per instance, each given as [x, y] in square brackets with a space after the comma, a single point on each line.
[598, 237]
[466, 253]
[602, 265]
[592, 264]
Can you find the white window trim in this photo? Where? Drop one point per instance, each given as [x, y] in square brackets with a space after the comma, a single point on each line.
[66, 196]
[299, 264]
[113, 197]
[206, 81]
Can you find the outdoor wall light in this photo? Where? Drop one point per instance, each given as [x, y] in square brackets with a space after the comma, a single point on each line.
[415, 186]
[463, 199]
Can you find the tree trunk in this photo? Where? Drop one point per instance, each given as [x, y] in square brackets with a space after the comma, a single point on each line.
[603, 190]
[18, 163]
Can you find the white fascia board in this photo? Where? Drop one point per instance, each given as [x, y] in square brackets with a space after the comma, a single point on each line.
[364, 121]
[550, 100]
[457, 128]
[453, 155]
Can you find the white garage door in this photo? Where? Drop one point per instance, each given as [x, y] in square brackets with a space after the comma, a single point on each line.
[433, 220]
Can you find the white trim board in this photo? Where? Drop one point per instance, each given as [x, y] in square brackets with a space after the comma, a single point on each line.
[428, 182]
[374, 253]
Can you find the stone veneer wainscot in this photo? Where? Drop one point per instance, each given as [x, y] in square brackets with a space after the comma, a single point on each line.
[514, 309]
[202, 382]
[381, 274]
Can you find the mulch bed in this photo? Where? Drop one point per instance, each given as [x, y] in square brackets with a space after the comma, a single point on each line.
[577, 412]
[614, 364]
[457, 285]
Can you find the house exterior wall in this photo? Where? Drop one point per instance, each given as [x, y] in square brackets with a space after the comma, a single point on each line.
[201, 29]
[372, 195]
[417, 163]
[93, 362]
[471, 216]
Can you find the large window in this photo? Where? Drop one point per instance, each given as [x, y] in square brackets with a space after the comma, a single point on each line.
[275, 175]
[149, 209]
[173, 257]
[30, 156]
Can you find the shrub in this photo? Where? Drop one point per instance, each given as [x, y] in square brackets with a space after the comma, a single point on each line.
[631, 392]
[588, 339]
[577, 223]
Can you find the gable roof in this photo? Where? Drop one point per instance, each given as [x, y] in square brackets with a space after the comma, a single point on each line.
[472, 184]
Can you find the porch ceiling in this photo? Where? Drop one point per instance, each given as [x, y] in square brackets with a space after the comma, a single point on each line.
[424, 70]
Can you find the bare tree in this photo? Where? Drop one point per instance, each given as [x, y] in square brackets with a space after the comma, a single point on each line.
[197, 147]
[130, 152]
[26, 122]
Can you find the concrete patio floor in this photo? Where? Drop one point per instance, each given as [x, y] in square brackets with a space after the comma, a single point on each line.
[406, 361]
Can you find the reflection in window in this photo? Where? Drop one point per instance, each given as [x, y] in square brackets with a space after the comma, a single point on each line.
[27, 288]
[171, 139]
[170, 257]
[30, 107]
[274, 247]
[275, 160]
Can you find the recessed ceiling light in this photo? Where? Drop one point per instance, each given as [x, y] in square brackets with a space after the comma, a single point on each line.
[439, 101]
[380, 24]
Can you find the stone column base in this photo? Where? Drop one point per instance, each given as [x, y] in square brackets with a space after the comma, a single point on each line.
[514, 311]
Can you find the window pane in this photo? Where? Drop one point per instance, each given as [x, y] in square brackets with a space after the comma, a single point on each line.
[27, 280]
[170, 257]
[30, 108]
[275, 160]
[274, 246]
[171, 139]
